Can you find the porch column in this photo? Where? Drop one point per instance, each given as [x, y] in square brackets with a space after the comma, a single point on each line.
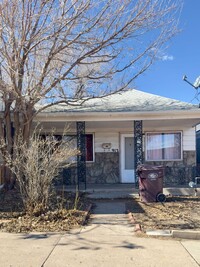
[81, 157]
[138, 145]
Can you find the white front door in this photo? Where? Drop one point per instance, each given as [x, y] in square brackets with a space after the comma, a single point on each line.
[127, 158]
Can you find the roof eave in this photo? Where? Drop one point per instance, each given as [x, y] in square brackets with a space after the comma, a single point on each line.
[118, 116]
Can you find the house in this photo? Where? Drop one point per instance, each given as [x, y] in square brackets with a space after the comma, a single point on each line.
[124, 130]
[198, 150]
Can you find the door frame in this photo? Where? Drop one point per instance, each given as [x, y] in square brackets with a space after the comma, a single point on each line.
[122, 156]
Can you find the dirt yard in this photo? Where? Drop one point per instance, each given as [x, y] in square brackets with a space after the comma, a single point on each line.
[63, 214]
[176, 213]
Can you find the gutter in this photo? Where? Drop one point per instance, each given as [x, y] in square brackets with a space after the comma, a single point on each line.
[116, 116]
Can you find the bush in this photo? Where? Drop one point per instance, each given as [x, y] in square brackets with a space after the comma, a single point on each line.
[35, 165]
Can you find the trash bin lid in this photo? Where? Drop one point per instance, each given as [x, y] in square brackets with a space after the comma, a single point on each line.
[145, 167]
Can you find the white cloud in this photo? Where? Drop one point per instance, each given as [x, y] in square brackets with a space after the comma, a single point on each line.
[166, 58]
[161, 55]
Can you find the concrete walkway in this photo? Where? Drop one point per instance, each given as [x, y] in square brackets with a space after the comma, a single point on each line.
[107, 241]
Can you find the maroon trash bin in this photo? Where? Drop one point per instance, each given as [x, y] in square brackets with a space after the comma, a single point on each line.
[151, 183]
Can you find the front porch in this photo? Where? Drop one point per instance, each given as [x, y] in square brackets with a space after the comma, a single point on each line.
[107, 158]
[112, 191]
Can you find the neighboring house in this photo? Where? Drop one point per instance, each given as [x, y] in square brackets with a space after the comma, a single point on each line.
[126, 129]
[198, 149]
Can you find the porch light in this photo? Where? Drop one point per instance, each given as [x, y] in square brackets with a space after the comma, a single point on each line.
[106, 146]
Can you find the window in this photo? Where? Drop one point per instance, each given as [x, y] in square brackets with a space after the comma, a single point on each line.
[163, 146]
[88, 144]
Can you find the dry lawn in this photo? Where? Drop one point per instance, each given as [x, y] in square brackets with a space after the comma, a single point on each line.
[65, 213]
[176, 213]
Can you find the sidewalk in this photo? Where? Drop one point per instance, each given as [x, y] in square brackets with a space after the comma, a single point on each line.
[108, 241]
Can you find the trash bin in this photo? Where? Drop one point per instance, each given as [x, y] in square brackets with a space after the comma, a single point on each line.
[151, 183]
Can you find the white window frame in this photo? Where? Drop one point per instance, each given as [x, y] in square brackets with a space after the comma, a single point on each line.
[163, 132]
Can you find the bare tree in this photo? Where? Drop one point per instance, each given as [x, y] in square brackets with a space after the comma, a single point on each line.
[36, 165]
[67, 51]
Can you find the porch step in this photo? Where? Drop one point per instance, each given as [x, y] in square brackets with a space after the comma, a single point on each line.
[113, 194]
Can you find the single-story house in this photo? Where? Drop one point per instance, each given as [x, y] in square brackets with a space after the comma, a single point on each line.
[124, 130]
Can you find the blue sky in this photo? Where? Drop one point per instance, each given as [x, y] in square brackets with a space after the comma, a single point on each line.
[181, 58]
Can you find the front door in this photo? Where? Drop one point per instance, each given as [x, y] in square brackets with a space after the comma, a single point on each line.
[127, 158]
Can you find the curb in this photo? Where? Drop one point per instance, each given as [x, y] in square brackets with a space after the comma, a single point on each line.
[156, 233]
[187, 234]
[182, 234]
